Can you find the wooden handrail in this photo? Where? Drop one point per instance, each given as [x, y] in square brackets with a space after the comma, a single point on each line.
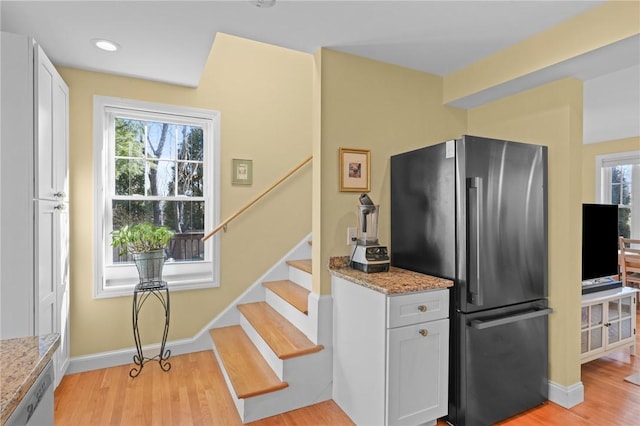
[255, 200]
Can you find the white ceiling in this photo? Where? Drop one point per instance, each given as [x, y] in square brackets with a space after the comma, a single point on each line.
[169, 41]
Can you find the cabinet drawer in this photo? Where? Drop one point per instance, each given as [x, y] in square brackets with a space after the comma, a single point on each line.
[417, 307]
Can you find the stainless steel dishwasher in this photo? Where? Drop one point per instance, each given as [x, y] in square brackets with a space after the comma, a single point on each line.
[36, 408]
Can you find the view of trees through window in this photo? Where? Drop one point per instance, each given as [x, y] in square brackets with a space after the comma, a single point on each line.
[621, 195]
[159, 179]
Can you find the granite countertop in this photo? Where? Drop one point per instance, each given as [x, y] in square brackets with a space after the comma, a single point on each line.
[396, 281]
[21, 361]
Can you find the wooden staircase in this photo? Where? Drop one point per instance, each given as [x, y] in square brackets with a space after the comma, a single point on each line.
[274, 360]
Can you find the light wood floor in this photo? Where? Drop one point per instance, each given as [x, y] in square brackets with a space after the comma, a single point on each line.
[193, 392]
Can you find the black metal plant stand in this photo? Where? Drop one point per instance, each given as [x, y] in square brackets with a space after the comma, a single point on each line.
[141, 293]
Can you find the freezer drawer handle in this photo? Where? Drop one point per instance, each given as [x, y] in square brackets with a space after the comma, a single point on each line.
[481, 325]
[423, 332]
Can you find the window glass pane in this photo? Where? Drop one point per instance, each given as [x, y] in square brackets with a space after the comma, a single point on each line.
[160, 140]
[190, 144]
[190, 179]
[130, 177]
[615, 193]
[129, 138]
[614, 332]
[596, 338]
[596, 314]
[616, 174]
[160, 178]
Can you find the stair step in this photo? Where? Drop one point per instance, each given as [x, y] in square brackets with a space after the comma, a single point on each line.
[291, 292]
[249, 373]
[303, 265]
[284, 339]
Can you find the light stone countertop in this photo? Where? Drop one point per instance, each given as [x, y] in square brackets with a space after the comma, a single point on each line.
[21, 362]
[396, 281]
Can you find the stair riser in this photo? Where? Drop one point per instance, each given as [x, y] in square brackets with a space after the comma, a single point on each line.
[294, 316]
[300, 277]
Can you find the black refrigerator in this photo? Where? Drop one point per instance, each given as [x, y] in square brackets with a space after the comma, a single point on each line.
[474, 210]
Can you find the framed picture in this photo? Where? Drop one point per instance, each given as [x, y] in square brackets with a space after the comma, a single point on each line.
[355, 170]
[242, 172]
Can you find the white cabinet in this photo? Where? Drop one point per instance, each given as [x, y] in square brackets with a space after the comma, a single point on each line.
[34, 251]
[608, 322]
[390, 354]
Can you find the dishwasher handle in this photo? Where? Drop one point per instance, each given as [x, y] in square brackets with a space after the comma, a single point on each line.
[481, 325]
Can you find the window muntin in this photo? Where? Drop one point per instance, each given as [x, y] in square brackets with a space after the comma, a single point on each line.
[160, 164]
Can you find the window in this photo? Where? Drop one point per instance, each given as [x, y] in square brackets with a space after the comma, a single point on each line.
[156, 163]
[618, 182]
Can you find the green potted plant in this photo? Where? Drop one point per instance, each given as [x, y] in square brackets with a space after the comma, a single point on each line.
[146, 243]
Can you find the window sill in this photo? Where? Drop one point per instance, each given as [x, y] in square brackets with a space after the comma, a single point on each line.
[121, 279]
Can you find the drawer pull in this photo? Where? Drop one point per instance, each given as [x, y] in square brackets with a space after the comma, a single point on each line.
[422, 308]
[423, 332]
[59, 207]
[59, 194]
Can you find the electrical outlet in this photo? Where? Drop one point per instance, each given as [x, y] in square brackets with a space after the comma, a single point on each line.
[352, 235]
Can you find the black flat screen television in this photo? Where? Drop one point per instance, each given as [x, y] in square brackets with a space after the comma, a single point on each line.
[599, 241]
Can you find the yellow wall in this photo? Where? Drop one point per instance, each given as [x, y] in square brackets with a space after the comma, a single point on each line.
[384, 108]
[551, 115]
[264, 95]
[589, 153]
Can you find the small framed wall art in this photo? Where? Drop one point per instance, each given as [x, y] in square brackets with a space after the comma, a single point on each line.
[242, 172]
[355, 170]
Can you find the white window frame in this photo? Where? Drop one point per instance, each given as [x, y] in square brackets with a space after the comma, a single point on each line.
[114, 280]
[603, 178]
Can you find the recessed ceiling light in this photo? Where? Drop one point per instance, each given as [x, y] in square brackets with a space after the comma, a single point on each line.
[105, 45]
[263, 3]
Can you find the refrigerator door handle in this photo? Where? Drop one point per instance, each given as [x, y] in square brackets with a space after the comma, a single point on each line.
[475, 208]
[481, 325]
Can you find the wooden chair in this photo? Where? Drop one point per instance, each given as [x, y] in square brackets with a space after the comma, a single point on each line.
[630, 262]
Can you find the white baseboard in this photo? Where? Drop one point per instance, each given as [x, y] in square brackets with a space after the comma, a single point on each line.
[125, 356]
[201, 341]
[566, 396]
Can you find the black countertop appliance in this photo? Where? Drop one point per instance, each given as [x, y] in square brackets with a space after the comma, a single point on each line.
[474, 210]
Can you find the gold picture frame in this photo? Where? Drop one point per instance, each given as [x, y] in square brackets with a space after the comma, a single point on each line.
[242, 172]
[355, 170]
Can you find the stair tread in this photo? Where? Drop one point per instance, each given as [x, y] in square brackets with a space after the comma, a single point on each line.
[284, 339]
[303, 264]
[249, 373]
[291, 292]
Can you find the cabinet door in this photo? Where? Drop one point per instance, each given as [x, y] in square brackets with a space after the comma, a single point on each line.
[593, 329]
[619, 321]
[46, 228]
[417, 372]
[51, 130]
[61, 261]
[52, 278]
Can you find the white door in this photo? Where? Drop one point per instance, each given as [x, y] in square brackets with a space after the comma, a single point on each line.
[417, 373]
